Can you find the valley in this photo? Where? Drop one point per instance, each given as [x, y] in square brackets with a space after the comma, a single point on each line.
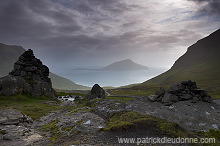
[121, 100]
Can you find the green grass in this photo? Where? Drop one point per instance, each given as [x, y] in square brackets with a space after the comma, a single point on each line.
[52, 128]
[64, 94]
[205, 74]
[28, 105]
[212, 133]
[121, 99]
[215, 95]
[77, 111]
[87, 102]
[3, 132]
[69, 128]
[126, 120]
[123, 121]
[130, 92]
[136, 90]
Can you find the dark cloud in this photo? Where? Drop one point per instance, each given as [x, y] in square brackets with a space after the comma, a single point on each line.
[75, 31]
[31, 19]
[210, 7]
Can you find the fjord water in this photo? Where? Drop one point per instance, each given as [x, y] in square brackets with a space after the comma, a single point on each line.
[110, 78]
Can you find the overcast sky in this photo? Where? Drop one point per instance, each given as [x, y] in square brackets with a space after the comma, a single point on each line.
[74, 33]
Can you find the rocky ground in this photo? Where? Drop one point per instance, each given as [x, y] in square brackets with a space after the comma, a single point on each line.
[191, 116]
[84, 125]
[100, 121]
[16, 129]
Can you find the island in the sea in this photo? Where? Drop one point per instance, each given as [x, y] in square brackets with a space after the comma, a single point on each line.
[124, 65]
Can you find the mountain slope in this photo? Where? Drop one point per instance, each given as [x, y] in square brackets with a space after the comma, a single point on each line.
[127, 64]
[7, 61]
[9, 55]
[59, 82]
[200, 63]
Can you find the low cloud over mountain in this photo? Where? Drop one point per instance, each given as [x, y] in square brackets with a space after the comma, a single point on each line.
[84, 32]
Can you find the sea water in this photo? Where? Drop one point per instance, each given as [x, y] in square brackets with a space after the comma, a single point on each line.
[110, 78]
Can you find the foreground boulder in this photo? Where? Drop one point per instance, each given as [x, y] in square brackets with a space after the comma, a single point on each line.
[28, 76]
[96, 92]
[186, 90]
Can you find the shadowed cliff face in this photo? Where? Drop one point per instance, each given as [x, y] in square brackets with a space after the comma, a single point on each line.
[200, 63]
[205, 50]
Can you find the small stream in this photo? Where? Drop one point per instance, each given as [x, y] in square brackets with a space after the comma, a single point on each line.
[66, 98]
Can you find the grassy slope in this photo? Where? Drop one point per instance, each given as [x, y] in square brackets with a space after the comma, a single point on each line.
[28, 105]
[59, 82]
[200, 63]
[7, 61]
[209, 80]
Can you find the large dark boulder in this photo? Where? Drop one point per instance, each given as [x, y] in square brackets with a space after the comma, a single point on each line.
[28, 76]
[186, 96]
[177, 88]
[96, 92]
[160, 92]
[169, 98]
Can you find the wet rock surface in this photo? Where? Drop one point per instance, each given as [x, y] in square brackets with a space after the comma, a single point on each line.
[107, 107]
[16, 129]
[28, 76]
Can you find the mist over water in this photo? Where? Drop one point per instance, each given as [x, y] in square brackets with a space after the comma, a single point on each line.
[110, 78]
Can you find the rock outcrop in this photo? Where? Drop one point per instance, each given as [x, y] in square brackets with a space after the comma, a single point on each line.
[15, 128]
[96, 92]
[28, 76]
[186, 90]
[200, 116]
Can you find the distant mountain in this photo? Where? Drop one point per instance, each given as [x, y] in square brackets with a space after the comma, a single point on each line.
[9, 55]
[201, 63]
[124, 65]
